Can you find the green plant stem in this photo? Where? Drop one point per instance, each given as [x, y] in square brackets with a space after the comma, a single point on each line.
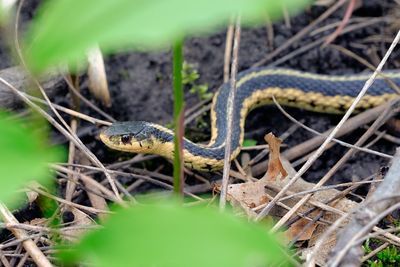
[178, 116]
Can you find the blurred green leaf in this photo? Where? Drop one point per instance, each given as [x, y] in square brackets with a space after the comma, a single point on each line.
[3, 13]
[170, 235]
[24, 157]
[65, 29]
[249, 142]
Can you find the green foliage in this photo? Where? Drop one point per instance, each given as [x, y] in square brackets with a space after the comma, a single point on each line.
[366, 246]
[170, 235]
[375, 263]
[64, 30]
[178, 116]
[190, 76]
[24, 157]
[389, 256]
[3, 13]
[249, 142]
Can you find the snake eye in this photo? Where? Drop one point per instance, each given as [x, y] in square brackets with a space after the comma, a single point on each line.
[126, 138]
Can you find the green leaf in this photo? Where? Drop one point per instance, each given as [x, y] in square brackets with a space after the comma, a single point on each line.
[249, 142]
[24, 157]
[65, 29]
[170, 235]
[4, 10]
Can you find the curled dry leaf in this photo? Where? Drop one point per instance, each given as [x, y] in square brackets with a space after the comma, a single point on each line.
[251, 197]
[31, 194]
[247, 196]
[275, 166]
[251, 194]
[320, 197]
[301, 230]
[97, 77]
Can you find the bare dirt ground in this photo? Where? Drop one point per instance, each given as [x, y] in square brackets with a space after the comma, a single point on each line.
[141, 82]
[141, 87]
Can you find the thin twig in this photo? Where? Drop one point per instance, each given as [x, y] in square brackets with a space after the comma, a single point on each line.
[36, 254]
[375, 251]
[70, 188]
[319, 41]
[72, 137]
[363, 149]
[300, 34]
[228, 51]
[311, 144]
[63, 201]
[86, 101]
[342, 24]
[363, 61]
[230, 107]
[321, 149]
[333, 170]
[70, 111]
[366, 217]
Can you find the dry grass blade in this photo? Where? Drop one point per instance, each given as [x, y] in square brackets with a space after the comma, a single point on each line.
[228, 51]
[375, 251]
[343, 23]
[317, 42]
[310, 261]
[90, 182]
[230, 107]
[76, 93]
[322, 148]
[333, 170]
[72, 137]
[367, 64]
[66, 130]
[309, 145]
[72, 204]
[19, 78]
[37, 255]
[98, 85]
[300, 34]
[71, 186]
[347, 251]
[363, 149]
[70, 111]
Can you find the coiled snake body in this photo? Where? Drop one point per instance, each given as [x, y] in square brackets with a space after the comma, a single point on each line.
[255, 87]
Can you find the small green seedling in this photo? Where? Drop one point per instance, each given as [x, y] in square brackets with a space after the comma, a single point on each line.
[190, 77]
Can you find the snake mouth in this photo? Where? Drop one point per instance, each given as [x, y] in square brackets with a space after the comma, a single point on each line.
[106, 139]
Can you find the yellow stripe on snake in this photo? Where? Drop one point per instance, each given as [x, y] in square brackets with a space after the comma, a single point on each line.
[255, 87]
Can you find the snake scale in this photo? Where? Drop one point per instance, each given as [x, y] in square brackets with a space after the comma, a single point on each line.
[255, 87]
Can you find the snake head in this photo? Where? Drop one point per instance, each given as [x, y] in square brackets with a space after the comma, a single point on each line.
[129, 136]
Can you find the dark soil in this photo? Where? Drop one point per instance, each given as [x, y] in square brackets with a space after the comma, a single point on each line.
[140, 83]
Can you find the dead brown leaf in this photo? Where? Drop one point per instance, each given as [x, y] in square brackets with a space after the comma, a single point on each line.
[275, 166]
[297, 229]
[248, 196]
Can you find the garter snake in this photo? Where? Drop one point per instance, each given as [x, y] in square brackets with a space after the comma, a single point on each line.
[255, 87]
